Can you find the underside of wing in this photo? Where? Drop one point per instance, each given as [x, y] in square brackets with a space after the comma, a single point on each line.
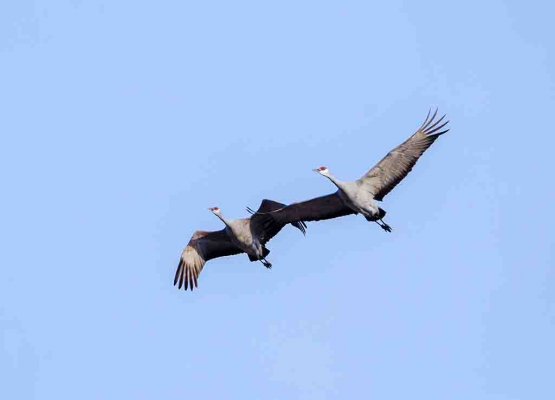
[265, 229]
[317, 209]
[202, 247]
[391, 170]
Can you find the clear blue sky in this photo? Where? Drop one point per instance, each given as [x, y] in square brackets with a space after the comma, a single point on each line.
[123, 121]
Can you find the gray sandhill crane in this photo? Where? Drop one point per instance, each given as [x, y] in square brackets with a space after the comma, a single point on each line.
[239, 236]
[362, 195]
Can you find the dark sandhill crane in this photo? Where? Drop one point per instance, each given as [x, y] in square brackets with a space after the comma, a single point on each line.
[362, 195]
[239, 236]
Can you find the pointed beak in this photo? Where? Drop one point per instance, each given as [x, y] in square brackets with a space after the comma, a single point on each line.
[316, 170]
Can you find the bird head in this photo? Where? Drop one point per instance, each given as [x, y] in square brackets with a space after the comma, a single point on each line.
[322, 170]
[215, 210]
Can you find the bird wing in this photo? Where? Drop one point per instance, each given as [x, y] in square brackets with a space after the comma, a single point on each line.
[202, 247]
[319, 208]
[266, 231]
[391, 170]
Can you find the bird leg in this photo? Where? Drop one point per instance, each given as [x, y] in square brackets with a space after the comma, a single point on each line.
[384, 226]
[266, 263]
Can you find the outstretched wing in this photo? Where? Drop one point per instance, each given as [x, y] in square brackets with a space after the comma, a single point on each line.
[317, 209]
[264, 230]
[391, 170]
[202, 247]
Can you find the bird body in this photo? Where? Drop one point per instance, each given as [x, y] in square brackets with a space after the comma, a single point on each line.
[355, 196]
[358, 198]
[246, 235]
[250, 235]
[362, 196]
[241, 235]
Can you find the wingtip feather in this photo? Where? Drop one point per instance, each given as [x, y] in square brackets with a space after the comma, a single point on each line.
[177, 272]
[426, 120]
[435, 123]
[437, 128]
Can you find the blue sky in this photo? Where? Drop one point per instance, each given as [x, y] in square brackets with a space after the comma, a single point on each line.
[123, 121]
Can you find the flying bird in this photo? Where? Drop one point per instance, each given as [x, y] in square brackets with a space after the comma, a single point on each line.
[361, 196]
[239, 236]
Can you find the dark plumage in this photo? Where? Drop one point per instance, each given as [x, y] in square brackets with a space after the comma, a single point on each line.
[361, 196]
[205, 246]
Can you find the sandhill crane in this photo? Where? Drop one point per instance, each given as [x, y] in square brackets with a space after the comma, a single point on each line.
[239, 236]
[362, 195]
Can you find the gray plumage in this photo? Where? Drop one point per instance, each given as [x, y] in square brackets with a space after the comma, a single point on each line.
[393, 168]
[239, 236]
[362, 196]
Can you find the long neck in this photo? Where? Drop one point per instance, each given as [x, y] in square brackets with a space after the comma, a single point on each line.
[224, 219]
[334, 180]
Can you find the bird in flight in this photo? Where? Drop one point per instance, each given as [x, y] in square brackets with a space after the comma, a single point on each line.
[361, 196]
[244, 235]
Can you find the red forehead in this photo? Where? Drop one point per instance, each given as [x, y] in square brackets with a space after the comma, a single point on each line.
[322, 168]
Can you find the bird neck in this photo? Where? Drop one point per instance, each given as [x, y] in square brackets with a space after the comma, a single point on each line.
[224, 219]
[334, 180]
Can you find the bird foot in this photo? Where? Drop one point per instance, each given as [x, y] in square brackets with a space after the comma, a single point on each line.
[385, 227]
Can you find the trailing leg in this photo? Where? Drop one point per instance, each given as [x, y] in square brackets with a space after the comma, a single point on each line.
[266, 263]
[385, 226]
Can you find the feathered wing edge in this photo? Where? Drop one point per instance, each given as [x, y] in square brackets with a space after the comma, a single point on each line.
[317, 209]
[205, 246]
[265, 231]
[202, 247]
[391, 169]
[189, 268]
